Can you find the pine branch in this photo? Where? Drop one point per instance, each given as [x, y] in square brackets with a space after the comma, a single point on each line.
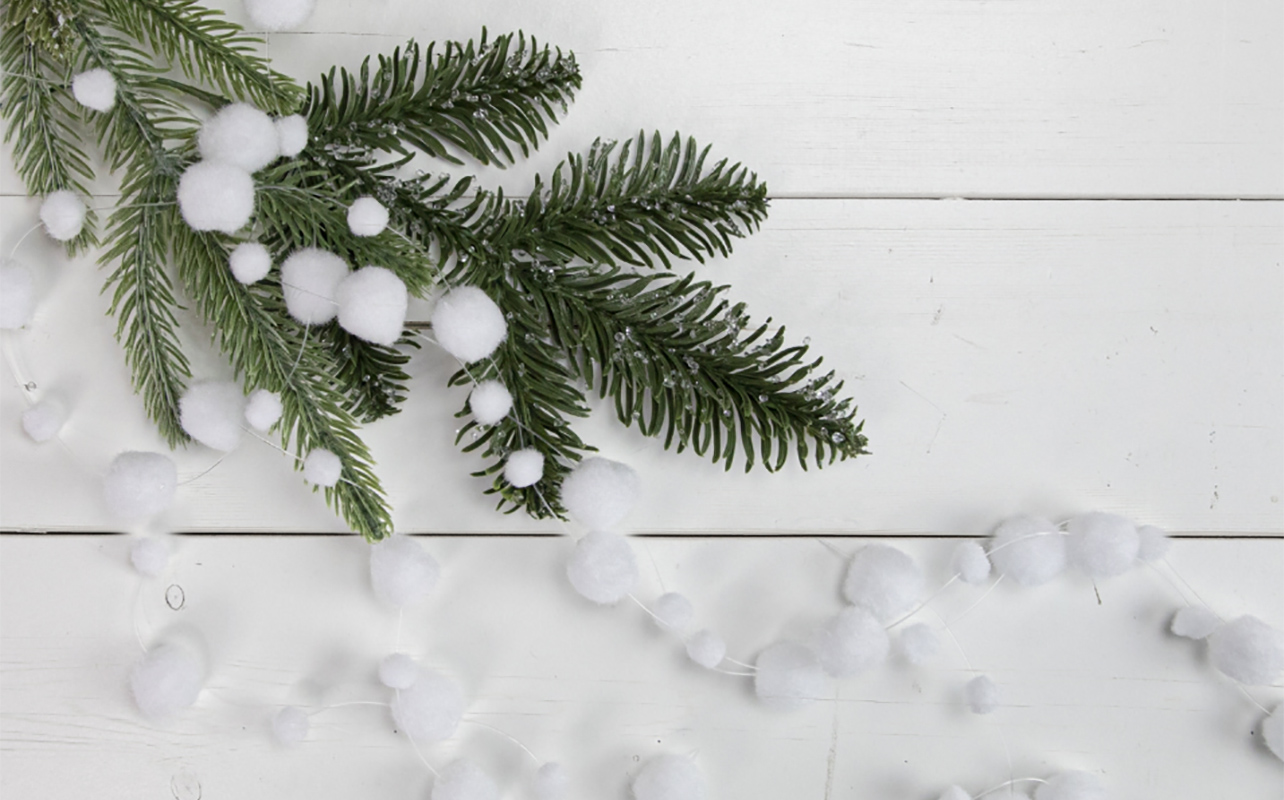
[374, 376]
[44, 25]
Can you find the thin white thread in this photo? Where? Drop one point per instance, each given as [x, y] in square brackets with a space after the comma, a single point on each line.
[506, 735]
[1008, 784]
[923, 604]
[23, 238]
[984, 595]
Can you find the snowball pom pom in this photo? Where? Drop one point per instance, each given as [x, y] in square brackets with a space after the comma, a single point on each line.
[603, 567]
[372, 305]
[884, 580]
[524, 467]
[367, 217]
[669, 777]
[918, 643]
[139, 485]
[1029, 550]
[468, 324]
[1248, 650]
[43, 420]
[1194, 622]
[94, 89]
[309, 278]
[789, 676]
[551, 782]
[852, 642]
[149, 557]
[982, 695]
[464, 780]
[707, 649]
[262, 409]
[1072, 786]
[490, 402]
[279, 15]
[674, 611]
[401, 571]
[600, 492]
[429, 709]
[216, 196]
[290, 726]
[17, 295]
[239, 134]
[1273, 731]
[398, 671]
[971, 563]
[250, 262]
[1102, 545]
[166, 680]
[955, 793]
[63, 214]
[291, 135]
[211, 413]
[1153, 543]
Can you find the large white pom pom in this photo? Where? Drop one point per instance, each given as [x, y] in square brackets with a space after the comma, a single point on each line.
[250, 262]
[63, 214]
[524, 468]
[290, 726]
[789, 676]
[490, 402]
[94, 89]
[149, 557]
[551, 782]
[1102, 545]
[982, 695]
[464, 780]
[239, 134]
[211, 413]
[468, 324]
[309, 278]
[262, 409]
[706, 648]
[603, 567]
[918, 643]
[971, 563]
[279, 15]
[1072, 786]
[291, 135]
[372, 305]
[884, 580]
[17, 295]
[430, 709]
[955, 793]
[216, 196]
[852, 642]
[1029, 550]
[166, 680]
[1273, 731]
[139, 485]
[674, 611]
[669, 777]
[401, 571]
[44, 420]
[322, 467]
[1248, 650]
[367, 217]
[1194, 622]
[1153, 543]
[398, 671]
[600, 492]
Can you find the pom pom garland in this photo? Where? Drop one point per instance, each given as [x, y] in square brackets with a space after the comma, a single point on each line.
[430, 709]
[603, 567]
[63, 215]
[211, 412]
[490, 402]
[971, 563]
[464, 780]
[241, 135]
[551, 782]
[789, 676]
[600, 492]
[706, 648]
[44, 420]
[918, 644]
[372, 305]
[852, 642]
[250, 262]
[17, 295]
[883, 580]
[150, 557]
[262, 409]
[1072, 786]
[140, 485]
[309, 279]
[1102, 545]
[291, 135]
[367, 217]
[1152, 543]
[982, 695]
[524, 467]
[166, 680]
[1273, 731]
[279, 15]
[401, 571]
[1248, 650]
[468, 324]
[1194, 622]
[290, 726]
[216, 196]
[669, 777]
[398, 671]
[1029, 550]
[674, 611]
[94, 89]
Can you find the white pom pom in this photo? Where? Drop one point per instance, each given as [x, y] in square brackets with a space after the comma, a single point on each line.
[279, 15]
[250, 262]
[398, 671]
[216, 196]
[669, 777]
[290, 726]
[44, 420]
[674, 611]
[1029, 550]
[884, 580]
[490, 402]
[1153, 543]
[600, 492]
[971, 563]
[63, 214]
[603, 567]
[291, 135]
[17, 295]
[149, 557]
[706, 648]
[1072, 786]
[139, 485]
[468, 324]
[429, 709]
[401, 571]
[322, 467]
[955, 793]
[464, 780]
[241, 135]
[166, 680]
[94, 89]
[1194, 622]
[211, 412]
[524, 467]
[918, 643]
[262, 409]
[1102, 545]
[551, 782]
[982, 695]
[1273, 731]
[852, 642]
[372, 305]
[1248, 650]
[367, 217]
[789, 676]
[309, 278]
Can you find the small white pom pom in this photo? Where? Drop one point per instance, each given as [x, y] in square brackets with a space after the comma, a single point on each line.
[211, 412]
[429, 709]
[955, 793]
[464, 780]
[852, 642]
[1273, 731]
[398, 671]
[468, 324]
[490, 402]
[94, 89]
[291, 135]
[600, 492]
[17, 295]
[166, 680]
[279, 15]
[290, 726]
[1102, 545]
[918, 643]
[789, 676]
[982, 695]
[372, 305]
[551, 782]
[367, 217]
[401, 571]
[309, 278]
[1153, 543]
[884, 580]
[239, 134]
[63, 214]
[139, 485]
[322, 467]
[971, 563]
[674, 611]
[1194, 622]
[149, 557]
[603, 567]
[524, 467]
[215, 196]
[44, 420]
[706, 648]
[1073, 785]
[250, 262]
[1248, 650]
[262, 409]
[1028, 550]
[669, 777]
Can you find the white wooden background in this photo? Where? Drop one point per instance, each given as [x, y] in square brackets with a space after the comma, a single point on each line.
[1042, 241]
